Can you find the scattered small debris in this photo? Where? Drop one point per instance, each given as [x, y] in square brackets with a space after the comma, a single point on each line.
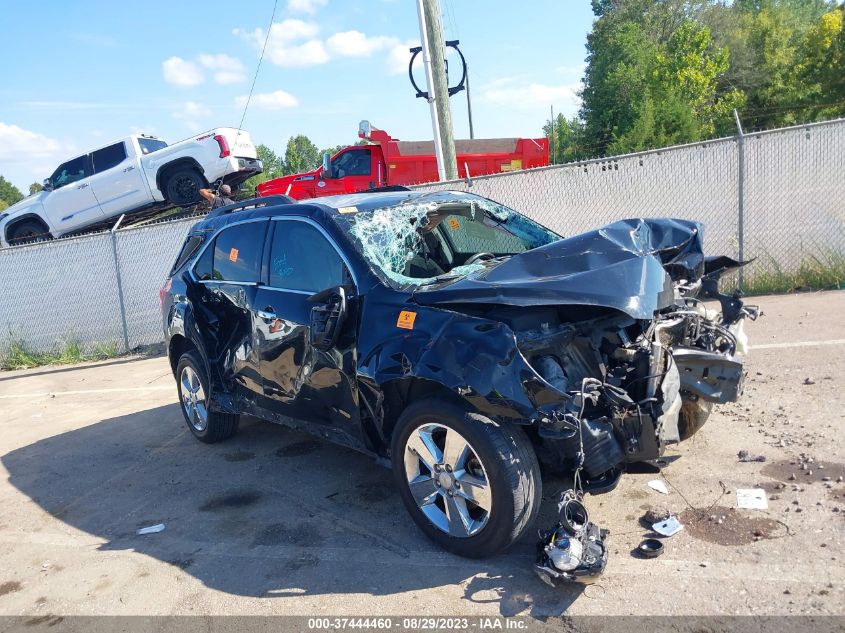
[669, 527]
[745, 456]
[659, 486]
[751, 499]
[153, 529]
[656, 514]
[650, 548]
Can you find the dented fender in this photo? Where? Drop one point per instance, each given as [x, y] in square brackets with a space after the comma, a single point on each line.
[476, 358]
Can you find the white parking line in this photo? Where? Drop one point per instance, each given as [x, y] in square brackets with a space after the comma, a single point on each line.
[836, 341]
[43, 394]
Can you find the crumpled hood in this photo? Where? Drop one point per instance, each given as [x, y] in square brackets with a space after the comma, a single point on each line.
[628, 265]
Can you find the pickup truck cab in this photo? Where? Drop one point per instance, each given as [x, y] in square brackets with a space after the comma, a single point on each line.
[136, 173]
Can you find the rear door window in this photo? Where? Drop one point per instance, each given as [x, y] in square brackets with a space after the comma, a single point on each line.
[237, 253]
[108, 157]
[190, 247]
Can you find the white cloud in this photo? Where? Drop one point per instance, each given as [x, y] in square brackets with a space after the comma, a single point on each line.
[277, 100]
[285, 46]
[506, 93]
[16, 143]
[296, 43]
[357, 44]
[193, 115]
[181, 72]
[398, 57]
[306, 6]
[28, 156]
[227, 70]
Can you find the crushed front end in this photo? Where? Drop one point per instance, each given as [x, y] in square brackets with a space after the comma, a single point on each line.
[632, 386]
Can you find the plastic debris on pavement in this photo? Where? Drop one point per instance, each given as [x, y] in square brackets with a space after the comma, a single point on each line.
[659, 486]
[669, 527]
[752, 499]
[153, 529]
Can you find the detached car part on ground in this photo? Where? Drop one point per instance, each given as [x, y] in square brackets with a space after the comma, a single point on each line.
[457, 339]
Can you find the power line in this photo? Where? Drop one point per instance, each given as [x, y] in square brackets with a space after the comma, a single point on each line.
[260, 59]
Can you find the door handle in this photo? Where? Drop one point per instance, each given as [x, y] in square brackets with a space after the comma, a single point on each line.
[270, 316]
[82, 186]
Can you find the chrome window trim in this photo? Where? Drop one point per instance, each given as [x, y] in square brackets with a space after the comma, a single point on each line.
[316, 225]
[206, 246]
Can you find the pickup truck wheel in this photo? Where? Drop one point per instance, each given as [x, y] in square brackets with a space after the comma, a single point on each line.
[471, 484]
[192, 384]
[28, 231]
[183, 186]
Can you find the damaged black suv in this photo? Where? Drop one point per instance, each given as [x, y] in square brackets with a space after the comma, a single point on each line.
[455, 339]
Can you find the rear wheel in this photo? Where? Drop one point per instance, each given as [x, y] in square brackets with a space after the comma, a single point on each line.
[29, 231]
[183, 185]
[471, 484]
[192, 384]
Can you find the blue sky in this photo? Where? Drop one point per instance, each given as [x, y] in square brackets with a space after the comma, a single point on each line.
[97, 70]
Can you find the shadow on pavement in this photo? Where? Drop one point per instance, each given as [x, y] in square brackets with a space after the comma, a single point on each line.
[269, 513]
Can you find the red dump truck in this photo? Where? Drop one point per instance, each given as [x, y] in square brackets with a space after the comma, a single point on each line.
[388, 161]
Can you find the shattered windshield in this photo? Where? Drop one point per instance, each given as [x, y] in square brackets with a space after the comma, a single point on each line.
[423, 242]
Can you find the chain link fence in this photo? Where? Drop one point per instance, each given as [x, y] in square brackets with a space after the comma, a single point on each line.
[95, 290]
[785, 207]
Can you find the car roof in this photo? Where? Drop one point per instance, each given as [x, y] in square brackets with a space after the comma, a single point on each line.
[326, 207]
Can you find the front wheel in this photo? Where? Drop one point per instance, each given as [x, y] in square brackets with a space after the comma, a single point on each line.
[28, 231]
[192, 384]
[471, 484]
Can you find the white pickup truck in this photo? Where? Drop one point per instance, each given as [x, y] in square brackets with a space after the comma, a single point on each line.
[137, 173]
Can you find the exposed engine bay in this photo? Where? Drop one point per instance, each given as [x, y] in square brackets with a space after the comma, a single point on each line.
[633, 386]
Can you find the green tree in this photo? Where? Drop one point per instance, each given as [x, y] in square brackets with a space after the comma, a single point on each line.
[646, 87]
[567, 141]
[3, 205]
[35, 188]
[301, 155]
[821, 71]
[272, 169]
[9, 193]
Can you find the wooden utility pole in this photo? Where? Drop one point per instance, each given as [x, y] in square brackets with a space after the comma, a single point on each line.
[434, 60]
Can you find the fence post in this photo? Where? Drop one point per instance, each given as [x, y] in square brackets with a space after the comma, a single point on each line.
[740, 143]
[119, 284]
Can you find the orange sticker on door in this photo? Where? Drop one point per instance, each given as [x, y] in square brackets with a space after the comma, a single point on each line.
[406, 320]
[454, 224]
[233, 255]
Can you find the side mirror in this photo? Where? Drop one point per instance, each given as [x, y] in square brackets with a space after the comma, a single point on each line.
[327, 317]
[327, 166]
[47, 184]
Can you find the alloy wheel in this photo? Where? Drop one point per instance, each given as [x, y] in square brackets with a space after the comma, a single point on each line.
[447, 480]
[193, 399]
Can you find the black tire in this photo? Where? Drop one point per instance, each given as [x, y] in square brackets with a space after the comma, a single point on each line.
[218, 426]
[29, 231]
[508, 461]
[182, 186]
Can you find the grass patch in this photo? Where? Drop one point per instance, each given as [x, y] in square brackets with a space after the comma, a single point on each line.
[20, 356]
[822, 272]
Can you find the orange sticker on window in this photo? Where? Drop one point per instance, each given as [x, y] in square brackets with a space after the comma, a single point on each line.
[406, 320]
[454, 224]
[233, 255]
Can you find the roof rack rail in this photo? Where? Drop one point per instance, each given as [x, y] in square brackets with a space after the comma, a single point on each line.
[384, 189]
[252, 203]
